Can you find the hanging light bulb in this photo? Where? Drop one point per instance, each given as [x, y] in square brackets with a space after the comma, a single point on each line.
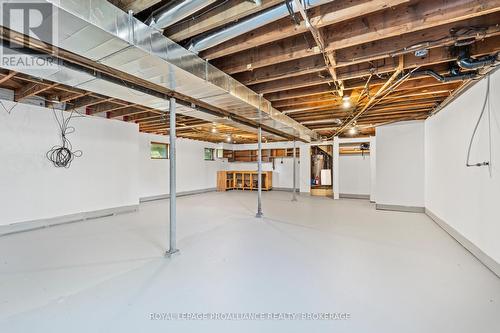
[347, 101]
[228, 139]
[214, 129]
[353, 130]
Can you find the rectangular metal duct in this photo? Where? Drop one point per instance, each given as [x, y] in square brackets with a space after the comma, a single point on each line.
[84, 80]
[101, 32]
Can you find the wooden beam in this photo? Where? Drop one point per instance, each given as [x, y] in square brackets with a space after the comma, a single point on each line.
[435, 56]
[306, 65]
[100, 108]
[87, 101]
[384, 47]
[411, 83]
[339, 112]
[32, 89]
[328, 57]
[435, 37]
[403, 19]
[230, 12]
[128, 111]
[292, 83]
[8, 76]
[416, 16]
[372, 99]
[337, 105]
[337, 11]
[424, 86]
[73, 96]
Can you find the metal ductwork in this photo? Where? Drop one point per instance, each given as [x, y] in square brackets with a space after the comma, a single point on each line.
[102, 33]
[265, 17]
[85, 79]
[470, 63]
[444, 79]
[172, 13]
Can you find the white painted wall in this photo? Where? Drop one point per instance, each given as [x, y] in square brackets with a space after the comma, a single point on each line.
[373, 168]
[305, 168]
[354, 174]
[31, 188]
[193, 172]
[400, 164]
[115, 170]
[466, 198]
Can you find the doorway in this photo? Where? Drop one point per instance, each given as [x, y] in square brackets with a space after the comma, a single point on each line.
[321, 170]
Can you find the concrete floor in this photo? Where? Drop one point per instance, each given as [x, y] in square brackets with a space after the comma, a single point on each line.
[391, 271]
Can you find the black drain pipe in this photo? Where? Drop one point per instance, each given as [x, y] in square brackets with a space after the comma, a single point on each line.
[469, 63]
[445, 79]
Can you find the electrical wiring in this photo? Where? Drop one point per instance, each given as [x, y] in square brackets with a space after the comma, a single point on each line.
[486, 105]
[466, 31]
[294, 17]
[62, 156]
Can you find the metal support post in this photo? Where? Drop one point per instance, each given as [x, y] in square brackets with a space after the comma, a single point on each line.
[173, 194]
[294, 197]
[259, 172]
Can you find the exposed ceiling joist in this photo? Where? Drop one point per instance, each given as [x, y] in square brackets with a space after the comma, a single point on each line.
[405, 19]
[7, 77]
[222, 14]
[337, 11]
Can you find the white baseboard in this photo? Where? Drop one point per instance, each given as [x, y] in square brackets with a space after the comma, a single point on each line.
[65, 219]
[179, 194]
[354, 196]
[485, 259]
[399, 208]
[286, 189]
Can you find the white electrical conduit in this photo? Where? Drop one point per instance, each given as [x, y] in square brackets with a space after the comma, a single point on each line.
[486, 105]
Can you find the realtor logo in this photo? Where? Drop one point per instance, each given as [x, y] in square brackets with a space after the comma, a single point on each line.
[30, 34]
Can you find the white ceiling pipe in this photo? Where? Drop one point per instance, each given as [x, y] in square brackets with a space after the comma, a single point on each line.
[265, 17]
[172, 13]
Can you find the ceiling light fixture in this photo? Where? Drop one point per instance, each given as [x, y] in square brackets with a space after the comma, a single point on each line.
[353, 130]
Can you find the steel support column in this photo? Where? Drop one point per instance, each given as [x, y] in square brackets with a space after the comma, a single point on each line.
[259, 174]
[294, 190]
[173, 191]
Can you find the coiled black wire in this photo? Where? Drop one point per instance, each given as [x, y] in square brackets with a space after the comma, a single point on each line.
[62, 156]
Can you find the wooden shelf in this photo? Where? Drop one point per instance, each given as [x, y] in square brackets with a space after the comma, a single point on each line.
[351, 151]
[243, 180]
[251, 155]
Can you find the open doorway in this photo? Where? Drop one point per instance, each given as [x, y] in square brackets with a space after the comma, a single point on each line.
[321, 170]
[354, 170]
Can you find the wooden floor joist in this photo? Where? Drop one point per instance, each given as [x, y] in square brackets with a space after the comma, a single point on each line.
[344, 52]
